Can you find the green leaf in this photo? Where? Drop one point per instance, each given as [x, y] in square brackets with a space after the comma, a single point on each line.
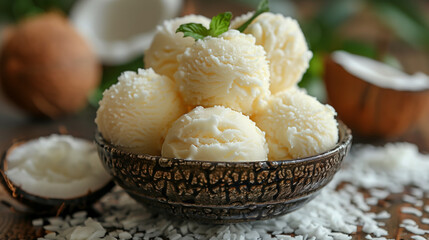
[409, 29]
[359, 48]
[262, 7]
[195, 30]
[220, 24]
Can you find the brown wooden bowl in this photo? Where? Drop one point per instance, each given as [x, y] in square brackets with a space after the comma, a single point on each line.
[223, 192]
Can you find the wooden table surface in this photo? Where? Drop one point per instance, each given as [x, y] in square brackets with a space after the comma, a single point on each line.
[15, 225]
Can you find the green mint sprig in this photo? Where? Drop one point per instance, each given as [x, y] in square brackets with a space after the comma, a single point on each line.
[262, 7]
[219, 24]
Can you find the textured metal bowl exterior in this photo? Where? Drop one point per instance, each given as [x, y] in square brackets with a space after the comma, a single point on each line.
[223, 192]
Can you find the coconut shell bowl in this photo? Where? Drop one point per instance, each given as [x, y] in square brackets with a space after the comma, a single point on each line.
[371, 111]
[223, 192]
[40, 205]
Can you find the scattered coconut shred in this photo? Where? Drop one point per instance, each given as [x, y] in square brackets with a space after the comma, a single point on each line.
[333, 214]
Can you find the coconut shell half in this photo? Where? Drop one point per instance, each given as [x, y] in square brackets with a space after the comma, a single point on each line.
[370, 110]
[48, 206]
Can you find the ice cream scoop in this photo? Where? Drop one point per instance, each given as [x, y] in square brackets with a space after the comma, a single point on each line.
[296, 125]
[285, 44]
[136, 113]
[215, 134]
[167, 45]
[229, 70]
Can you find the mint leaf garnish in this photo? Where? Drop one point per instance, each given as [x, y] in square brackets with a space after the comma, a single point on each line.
[262, 7]
[218, 25]
[195, 30]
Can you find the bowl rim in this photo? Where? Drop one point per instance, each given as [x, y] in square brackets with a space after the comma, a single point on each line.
[344, 140]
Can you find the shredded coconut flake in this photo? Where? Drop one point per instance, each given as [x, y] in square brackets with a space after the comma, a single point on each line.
[383, 215]
[37, 222]
[417, 192]
[416, 237]
[409, 199]
[415, 230]
[372, 201]
[411, 210]
[409, 222]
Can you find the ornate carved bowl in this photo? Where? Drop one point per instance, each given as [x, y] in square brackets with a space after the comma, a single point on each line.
[223, 192]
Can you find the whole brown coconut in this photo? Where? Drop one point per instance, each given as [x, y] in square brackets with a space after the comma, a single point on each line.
[373, 111]
[46, 67]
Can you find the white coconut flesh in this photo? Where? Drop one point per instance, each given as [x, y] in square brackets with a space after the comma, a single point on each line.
[379, 73]
[57, 166]
[120, 30]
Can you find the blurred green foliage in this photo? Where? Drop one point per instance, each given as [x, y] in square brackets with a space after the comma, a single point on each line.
[15, 10]
[404, 18]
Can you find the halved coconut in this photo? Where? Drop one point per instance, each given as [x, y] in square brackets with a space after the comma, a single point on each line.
[373, 99]
[54, 174]
[120, 30]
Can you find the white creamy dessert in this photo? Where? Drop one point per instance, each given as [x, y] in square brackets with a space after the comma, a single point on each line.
[136, 112]
[229, 70]
[285, 44]
[167, 45]
[296, 125]
[224, 75]
[215, 134]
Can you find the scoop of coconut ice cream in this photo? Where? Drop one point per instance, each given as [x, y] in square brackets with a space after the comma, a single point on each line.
[136, 113]
[285, 44]
[296, 125]
[215, 134]
[167, 45]
[228, 70]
